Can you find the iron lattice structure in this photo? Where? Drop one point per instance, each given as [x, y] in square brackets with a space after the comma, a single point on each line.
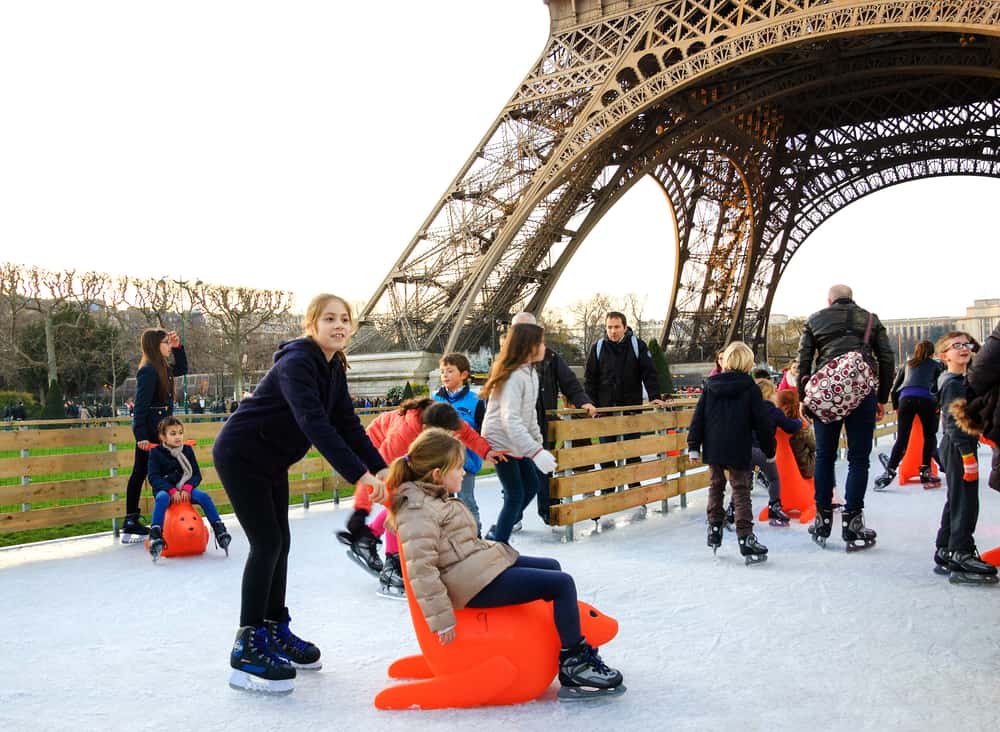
[760, 119]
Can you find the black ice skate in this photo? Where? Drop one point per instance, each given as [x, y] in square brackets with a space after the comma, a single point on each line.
[941, 558]
[927, 478]
[585, 676]
[776, 515]
[884, 459]
[714, 537]
[822, 525]
[752, 550]
[390, 581]
[133, 530]
[363, 550]
[255, 667]
[222, 537]
[285, 644]
[156, 542]
[967, 568]
[731, 517]
[855, 533]
[882, 482]
[761, 481]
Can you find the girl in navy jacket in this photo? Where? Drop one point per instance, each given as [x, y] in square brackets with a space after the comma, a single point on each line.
[154, 400]
[301, 401]
[175, 477]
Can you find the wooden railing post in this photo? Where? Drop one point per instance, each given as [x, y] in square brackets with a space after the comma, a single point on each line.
[568, 531]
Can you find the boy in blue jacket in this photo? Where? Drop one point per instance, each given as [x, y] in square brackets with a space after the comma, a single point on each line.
[174, 477]
[455, 372]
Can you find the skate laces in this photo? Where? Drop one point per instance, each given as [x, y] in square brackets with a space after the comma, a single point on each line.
[596, 661]
[260, 644]
[286, 637]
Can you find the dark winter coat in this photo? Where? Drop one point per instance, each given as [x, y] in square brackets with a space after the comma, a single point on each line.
[554, 375]
[148, 409]
[924, 375]
[165, 470]
[301, 401]
[984, 381]
[730, 412]
[777, 418]
[840, 329]
[952, 388]
[617, 378]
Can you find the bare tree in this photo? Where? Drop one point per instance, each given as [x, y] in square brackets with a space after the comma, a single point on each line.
[634, 306]
[12, 305]
[588, 318]
[154, 298]
[239, 313]
[46, 292]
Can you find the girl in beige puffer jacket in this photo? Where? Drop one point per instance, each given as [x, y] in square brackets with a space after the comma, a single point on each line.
[449, 567]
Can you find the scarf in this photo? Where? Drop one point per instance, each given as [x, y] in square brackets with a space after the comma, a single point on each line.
[186, 470]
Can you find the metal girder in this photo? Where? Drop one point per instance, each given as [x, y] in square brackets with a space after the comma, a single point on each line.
[759, 118]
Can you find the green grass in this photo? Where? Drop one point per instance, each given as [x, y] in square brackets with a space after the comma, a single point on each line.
[92, 527]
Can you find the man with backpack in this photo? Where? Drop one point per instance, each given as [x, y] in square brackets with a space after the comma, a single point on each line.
[857, 341]
[620, 372]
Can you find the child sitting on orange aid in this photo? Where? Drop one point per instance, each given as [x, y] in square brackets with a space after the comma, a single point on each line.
[174, 476]
[392, 433]
[450, 567]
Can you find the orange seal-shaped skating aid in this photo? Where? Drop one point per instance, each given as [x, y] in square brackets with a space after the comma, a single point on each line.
[183, 531]
[501, 655]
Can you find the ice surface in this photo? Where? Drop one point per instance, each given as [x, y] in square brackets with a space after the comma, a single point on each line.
[98, 637]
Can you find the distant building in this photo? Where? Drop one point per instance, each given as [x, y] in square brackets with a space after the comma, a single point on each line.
[980, 319]
[905, 333]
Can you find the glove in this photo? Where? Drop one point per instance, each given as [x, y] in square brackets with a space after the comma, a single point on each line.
[545, 461]
[188, 487]
[970, 468]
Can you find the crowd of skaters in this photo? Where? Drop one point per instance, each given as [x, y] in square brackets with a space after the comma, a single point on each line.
[303, 401]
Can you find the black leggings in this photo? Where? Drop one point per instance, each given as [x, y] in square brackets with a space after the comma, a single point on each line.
[140, 468]
[926, 411]
[261, 505]
[536, 578]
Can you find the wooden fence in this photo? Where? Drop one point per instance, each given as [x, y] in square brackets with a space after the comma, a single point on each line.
[32, 480]
[658, 435]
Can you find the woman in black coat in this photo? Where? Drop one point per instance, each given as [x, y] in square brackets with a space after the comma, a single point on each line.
[154, 400]
[302, 401]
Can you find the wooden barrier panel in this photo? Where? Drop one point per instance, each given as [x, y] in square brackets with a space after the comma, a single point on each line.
[605, 452]
[574, 429]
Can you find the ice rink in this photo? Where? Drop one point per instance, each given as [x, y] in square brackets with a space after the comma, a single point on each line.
[98, 637]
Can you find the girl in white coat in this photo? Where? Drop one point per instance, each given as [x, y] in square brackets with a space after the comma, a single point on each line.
[511, 424]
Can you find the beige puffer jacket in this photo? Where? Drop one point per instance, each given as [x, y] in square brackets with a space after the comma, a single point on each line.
[446, 562]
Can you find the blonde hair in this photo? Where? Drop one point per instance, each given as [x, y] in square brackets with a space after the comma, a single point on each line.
[943, 340]
[315, 309]
[766, 387]
[737, 357]
[434, 449]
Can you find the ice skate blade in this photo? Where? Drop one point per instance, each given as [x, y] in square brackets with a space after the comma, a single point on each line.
[390, 595]
[779, 523]
[363, 564]
[314, 666]
[754, 559]
[579, 694]
[942, 571]
[133, 538]
[242, 681]
[852, 547]
[820, 541]
[972, 578]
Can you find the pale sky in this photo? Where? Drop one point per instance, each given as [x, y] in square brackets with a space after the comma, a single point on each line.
[300, 145]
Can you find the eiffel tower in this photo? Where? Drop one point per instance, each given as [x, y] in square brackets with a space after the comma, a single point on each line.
[759, 119]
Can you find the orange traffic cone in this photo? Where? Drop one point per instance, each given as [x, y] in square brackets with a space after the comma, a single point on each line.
[798, 494]
[909, 467]
[992, 556]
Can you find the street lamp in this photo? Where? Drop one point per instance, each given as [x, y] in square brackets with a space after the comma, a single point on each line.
[184, 316]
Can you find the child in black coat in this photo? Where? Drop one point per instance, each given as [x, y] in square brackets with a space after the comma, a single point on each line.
[730, 412]
[174, 476]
